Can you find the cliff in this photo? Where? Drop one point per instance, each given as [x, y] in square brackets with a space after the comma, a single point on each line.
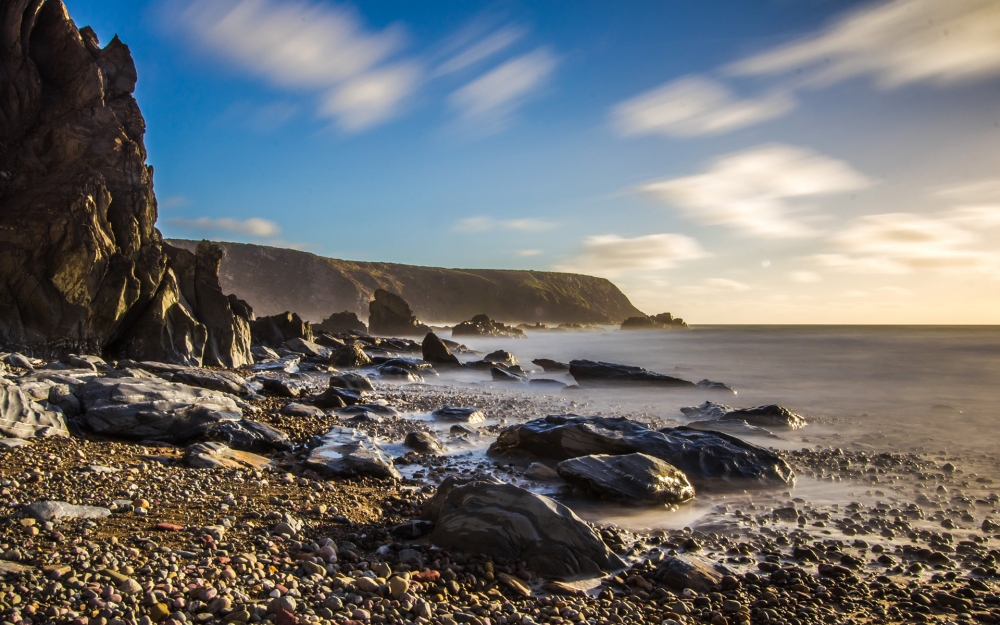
[274, 280]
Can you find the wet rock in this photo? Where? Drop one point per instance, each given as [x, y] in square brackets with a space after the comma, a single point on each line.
[501, 375]
[262, 352]
[350, 356]
[225, 381]
[711, 460]
[398, 374]
[346, 452]
[328, 340]
[709, 385]
[739, 429]
[435, 351]
[275, 330]
[508, 522]
[632, 478]
[390, 315]
[591, 373]
[551, 366]
[307, 348]
[153, 409]
[423, 442]
[767, 416]
[48, 510]
[339, 323]
[690, 571]
[354, 381]
[546, 384]
[539, 471]
[215, 455]
[248, 435]
[458, 414]
[378, 409]
[295, 409]
[23, 417]
[335, 397]
[283, 387]
[482, 325]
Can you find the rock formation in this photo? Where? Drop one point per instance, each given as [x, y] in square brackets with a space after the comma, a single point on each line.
[341, 322]
[482, 325]
[276, 330]
[662, 321]
[82, 266]
[390, 315]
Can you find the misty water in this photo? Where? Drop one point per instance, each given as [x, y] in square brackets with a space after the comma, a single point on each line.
[900, 389]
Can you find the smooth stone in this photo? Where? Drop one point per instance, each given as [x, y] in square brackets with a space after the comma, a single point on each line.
[591, 373]
[248, 435]
[456, 414]
[423, 442]
[632, 478]
[307, 348]
[767, 416]
[506, 377]
[293, 409]
[353, 381]
[435, 351]
[225, 381]
[551, 366]
[48, 510]
[215, 455]
[346, 452]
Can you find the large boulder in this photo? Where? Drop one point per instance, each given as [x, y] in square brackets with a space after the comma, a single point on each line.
[346, 452]
[551, 366]
[341, 322]
[591, 373]
[482, 325]
[632, 478]
[350, 356]
[766, 416]
[436, 351]
[225, 381]
[711, 460]
[23, 417]
[456, 414]
[390, 315]
[247, 435]
[510, 523]
[275, 330]
[662, 321]
[153, 409]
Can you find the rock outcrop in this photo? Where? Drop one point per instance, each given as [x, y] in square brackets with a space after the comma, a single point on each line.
[482, 325]
[590, 373]
[23, 417]
[82, 266]
[276, 330]
[346, 452]
[662, 321]
[766, 416]
[632, 478]
[390, 315]
[338, 323]
[435, 351]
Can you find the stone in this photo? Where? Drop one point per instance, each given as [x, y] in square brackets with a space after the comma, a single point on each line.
[501, 375]
[435, 351]
[153, 409]
[350, 356]
[248, 435]
[508, 522]
[710, 460]
[378, 409]
[11, 443]
[539, 471]
[63, 397]
[590, 373]
[328, 340]
[23, 417]
[225, 381]
[398, 586]
[283, 387]
[551, 366]
[709, 385]
[307, 348]
[690, 571]
[423, 442]
[457, 414]
[399, 374]
[166, 330]
[546, 384]
[214, 455]
[294, 409]
[346, 452]
[275, 330]
[390, 315]
[351, 380]
[336, 397]
[86, 361]
[482, 325]
[662, 321]
[262, 352]
[19, 361]
[632, 478]
[766, 416]
[342, 322]
[48, 510]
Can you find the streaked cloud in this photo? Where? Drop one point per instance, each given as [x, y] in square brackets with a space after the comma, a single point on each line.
[488, 101]
[693, 106]
[176, 201]
[252, 227]
[529, 252]
[611, 254]
[312, 46]
[714, 285]
[475, 46]
[805, 276]
[758, 192]
[482, 224]
[895, 43]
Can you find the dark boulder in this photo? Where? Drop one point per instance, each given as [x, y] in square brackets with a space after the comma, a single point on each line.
[711, 460]
[248, 435]
[390, 315]
[505, 376]
[766, 416]
[225, 381]
[455, 414]
[691, 571]
[423, 443]
[350, 356]
[23, 417]
[551, 366]
[341, 322]
[351, 380]
[275, 330]
[632, 478]
[590, 373]
[336, 397]
[482, 325]
[399, 374]
[346, 452]
[283, 387]
[436, 351]
[662, 321]
[510, 523]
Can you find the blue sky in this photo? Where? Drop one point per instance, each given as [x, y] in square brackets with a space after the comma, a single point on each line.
[731, 162]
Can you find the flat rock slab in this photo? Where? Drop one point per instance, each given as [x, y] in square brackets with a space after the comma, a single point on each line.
[766, 416]
[23, 417]
[346, 452]
[690, 571]
[48, 510]
[308, 348]
[552, 366]
[153, 409]
[249, 435]
[591, 373]
[13, 568]
[711, 460]
[225, 381]
[456, 414]
[11, 443]
[509, 522]
[632, 478]
[214, 455]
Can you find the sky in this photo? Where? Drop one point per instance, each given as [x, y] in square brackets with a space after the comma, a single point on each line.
[779, 161]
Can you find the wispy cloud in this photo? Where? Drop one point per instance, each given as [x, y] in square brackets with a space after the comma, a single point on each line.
[252, 227]
[714, 285]
[474, 46]
[896, 43]
[482, 224]
[529, 252]
[756, 191]
[693, 106]
[176, 201]
[610, 254]
[488, 101]
[805, 276]
[303, 45]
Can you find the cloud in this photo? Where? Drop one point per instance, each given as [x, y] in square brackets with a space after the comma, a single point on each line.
[528, 252]
[805, 276]
[176, 201]
[715, 285]
[490, 99]
[482, 224]
[252, 227]
[754, 191]
[693, 106]
[476, 47]
[896, 43]
[610, 254]
[317, 47]
[901, 243]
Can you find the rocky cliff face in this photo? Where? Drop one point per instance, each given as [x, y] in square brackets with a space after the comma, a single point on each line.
[82, 266]
[274, 280]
